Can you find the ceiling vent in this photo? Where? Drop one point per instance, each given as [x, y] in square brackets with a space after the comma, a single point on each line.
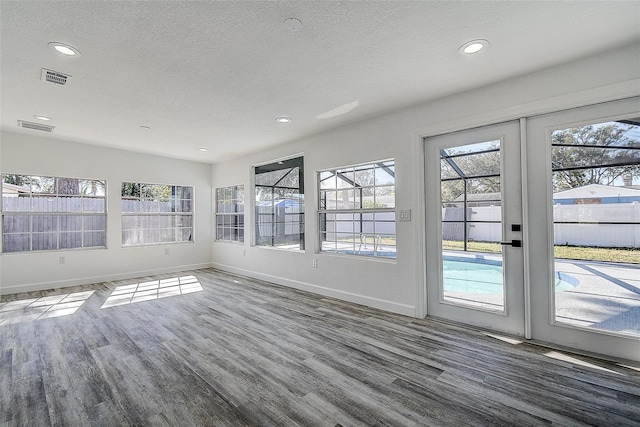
[35, 126]
[54, 77]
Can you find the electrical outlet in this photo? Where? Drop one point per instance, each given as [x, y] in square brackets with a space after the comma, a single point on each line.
[166, 251]
[244, 252]
[61, 260]
[315, 263]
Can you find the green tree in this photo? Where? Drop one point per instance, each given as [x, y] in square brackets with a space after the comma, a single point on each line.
[21, 180]
[593, 155]
[475, 168]
[68, 186]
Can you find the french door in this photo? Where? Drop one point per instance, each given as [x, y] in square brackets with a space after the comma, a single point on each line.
[474, 227]
[538, 234]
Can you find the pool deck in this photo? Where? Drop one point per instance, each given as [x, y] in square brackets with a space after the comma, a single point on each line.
[606, 296]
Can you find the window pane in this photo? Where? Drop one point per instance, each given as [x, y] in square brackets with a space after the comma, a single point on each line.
[184, 220]
[94, 238]
[364, 175]
[280, 204]
[271, 178]
[70, 240]
[43, 223]
[43, 185]
[471, 160]
[15, 203]
[12, 223]
[185, 235]
[157, 205]
[385, 174]
[130, 190]
[346, 178]
[168, 235]
[35, 195]
[131, 237]
[15, 242]
[70, 223]
[369, 189]
[92, 188]
[184, 206]
[43, 204]
[69, 204]
[185, 192]
[69, 186]
[150, 236]
[94, 222]
[328, 180]
[44, 241]
[385, 197]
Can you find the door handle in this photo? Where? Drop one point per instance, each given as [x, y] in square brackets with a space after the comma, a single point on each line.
[514, 243]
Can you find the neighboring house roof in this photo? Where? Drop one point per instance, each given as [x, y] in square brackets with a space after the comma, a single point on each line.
[280, 203]
[597, 191]
[13, 189]
[478, 197]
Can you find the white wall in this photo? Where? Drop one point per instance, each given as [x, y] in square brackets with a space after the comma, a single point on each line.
[31, 154]
[400, 285]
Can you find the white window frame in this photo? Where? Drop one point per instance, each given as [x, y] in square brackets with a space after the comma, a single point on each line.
[58, 211]
[152, 211]
[233, 219]
[356, 238]
[277, 221]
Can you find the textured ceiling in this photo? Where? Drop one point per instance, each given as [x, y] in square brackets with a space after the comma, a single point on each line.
[216, 74]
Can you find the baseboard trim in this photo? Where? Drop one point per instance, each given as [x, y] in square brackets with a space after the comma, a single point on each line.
[61, 284]
[394, 307]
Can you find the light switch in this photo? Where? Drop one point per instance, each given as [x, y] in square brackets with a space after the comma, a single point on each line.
[404, 214]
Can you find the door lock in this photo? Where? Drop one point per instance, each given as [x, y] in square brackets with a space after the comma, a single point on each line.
[514, 243]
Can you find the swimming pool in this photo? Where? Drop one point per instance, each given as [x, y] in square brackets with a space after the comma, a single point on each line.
[484, 276]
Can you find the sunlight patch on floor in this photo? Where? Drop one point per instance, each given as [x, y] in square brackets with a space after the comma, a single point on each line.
[573, 360]
[27, 310]
[505, 339]
[152, 290]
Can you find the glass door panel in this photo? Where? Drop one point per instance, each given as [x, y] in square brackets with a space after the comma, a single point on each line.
[596, 225]
[470, 193]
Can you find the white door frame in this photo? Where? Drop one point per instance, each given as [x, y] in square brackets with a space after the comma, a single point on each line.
[539, 242]
[512, 320]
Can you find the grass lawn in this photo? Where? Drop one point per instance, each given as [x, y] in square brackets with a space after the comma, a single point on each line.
[630, 256]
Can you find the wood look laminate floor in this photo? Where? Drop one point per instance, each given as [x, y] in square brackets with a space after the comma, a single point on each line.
[207, 348]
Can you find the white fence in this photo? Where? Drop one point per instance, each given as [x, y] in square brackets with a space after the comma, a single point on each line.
[577, 225]
[279, 221]
[588, 233]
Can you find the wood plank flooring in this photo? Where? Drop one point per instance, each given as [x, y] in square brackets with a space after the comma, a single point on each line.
[205, 348]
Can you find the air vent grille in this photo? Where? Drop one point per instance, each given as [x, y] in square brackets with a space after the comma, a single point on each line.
[54, 77]
[35, 126]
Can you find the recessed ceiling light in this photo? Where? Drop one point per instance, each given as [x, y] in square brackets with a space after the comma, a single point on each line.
[283, 119]
[45, 118]
[473, 46]
[64, 49]
[204, 150]
[292, 24]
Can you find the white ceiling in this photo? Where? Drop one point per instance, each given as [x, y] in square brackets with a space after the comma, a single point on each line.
[216, 74]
